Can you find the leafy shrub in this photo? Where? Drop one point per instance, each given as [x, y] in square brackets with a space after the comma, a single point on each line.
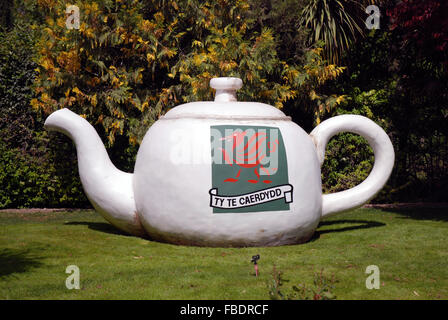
[406, 94]
[130, 62]
[16, 76]
[34, 172]
[348, 162]
[28, 180]
[349, 158]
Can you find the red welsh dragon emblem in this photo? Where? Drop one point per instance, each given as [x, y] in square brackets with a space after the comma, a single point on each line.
[249, 155]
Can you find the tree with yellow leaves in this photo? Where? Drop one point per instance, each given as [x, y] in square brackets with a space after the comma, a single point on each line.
[225, 43]
[130, 61]
[111, 70]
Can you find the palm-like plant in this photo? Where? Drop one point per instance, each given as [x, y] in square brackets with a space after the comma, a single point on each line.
[335, 22]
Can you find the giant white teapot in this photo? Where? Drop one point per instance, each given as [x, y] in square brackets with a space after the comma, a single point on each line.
[223, 173]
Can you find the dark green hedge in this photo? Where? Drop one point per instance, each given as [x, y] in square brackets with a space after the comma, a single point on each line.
[37, 168]
[49, 179]
[35, 171]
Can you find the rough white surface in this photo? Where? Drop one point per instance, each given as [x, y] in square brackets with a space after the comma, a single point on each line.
[226, 88]
[173, 197]
[108, 189]
[167, 197]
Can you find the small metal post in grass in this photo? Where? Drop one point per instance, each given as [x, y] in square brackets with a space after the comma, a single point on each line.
[254, 260]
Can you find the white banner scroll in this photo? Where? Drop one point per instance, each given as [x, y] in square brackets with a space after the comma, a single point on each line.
[251, 199]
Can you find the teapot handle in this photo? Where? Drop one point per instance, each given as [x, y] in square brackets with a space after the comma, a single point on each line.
[384, 160]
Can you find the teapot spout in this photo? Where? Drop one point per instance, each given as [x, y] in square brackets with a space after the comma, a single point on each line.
[109, 190]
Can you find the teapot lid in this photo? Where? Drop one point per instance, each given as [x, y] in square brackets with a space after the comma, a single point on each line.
[226, 105]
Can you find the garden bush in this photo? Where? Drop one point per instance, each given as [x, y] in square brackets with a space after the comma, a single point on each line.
[35, 171]
[407, 95]
[31, 180]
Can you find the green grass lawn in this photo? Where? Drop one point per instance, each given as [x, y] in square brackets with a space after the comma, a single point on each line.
[410, 248]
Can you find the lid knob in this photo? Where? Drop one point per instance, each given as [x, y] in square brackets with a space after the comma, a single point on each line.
[226, 88]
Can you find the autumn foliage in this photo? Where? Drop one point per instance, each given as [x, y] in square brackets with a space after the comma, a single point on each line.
[130, 61]
[422, 23]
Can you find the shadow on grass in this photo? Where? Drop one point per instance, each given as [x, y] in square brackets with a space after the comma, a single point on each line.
[100, 226]
[17, 261]
[360, 224]
[436, 214]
